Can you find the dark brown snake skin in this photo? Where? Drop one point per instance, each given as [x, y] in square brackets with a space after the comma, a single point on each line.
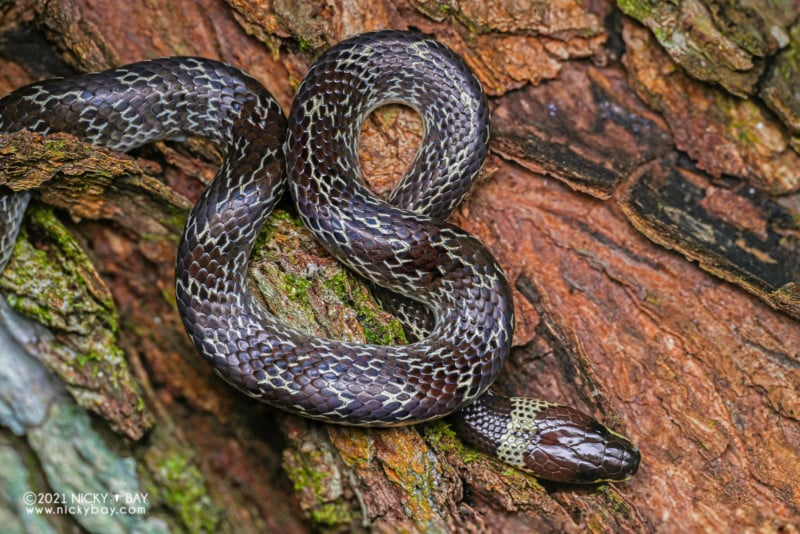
[402, 244]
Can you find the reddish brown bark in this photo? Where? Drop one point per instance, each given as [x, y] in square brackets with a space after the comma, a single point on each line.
[702, 374]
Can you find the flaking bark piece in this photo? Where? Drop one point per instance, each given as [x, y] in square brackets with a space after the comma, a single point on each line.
[723, 134]
[584, 128]
[51, 279]
[90, 182]
[721, 42]
[738, 235]
[779, 88]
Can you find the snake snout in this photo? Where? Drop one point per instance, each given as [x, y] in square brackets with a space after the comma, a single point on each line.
[573, 447]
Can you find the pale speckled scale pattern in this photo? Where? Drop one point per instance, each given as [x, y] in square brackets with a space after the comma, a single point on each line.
[433, 262]
[430, 261]
[12, 208]
[521, 429]
[493, 424]
[402, 247]
[128, 107]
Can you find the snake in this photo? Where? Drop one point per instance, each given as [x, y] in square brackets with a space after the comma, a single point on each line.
[444, 278]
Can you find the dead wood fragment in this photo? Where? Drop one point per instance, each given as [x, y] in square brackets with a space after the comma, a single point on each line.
[737, 235]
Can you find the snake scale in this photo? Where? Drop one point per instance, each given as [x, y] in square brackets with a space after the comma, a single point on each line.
[401, 244]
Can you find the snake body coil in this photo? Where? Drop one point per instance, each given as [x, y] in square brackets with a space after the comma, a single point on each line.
[401, 244]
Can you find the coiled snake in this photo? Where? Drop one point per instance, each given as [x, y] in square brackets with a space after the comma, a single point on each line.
[401, 244]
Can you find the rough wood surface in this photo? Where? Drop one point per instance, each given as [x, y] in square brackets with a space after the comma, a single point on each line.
[602, 147]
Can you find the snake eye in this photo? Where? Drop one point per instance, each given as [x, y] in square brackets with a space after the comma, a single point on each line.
[597, 428]
[573, 447]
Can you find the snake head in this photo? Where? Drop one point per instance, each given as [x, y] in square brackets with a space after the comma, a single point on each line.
[570, 446]
[550, 441]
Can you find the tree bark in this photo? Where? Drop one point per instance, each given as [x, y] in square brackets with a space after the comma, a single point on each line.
[644, 209]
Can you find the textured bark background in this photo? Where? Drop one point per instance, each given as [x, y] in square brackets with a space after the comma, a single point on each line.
[619, 132]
